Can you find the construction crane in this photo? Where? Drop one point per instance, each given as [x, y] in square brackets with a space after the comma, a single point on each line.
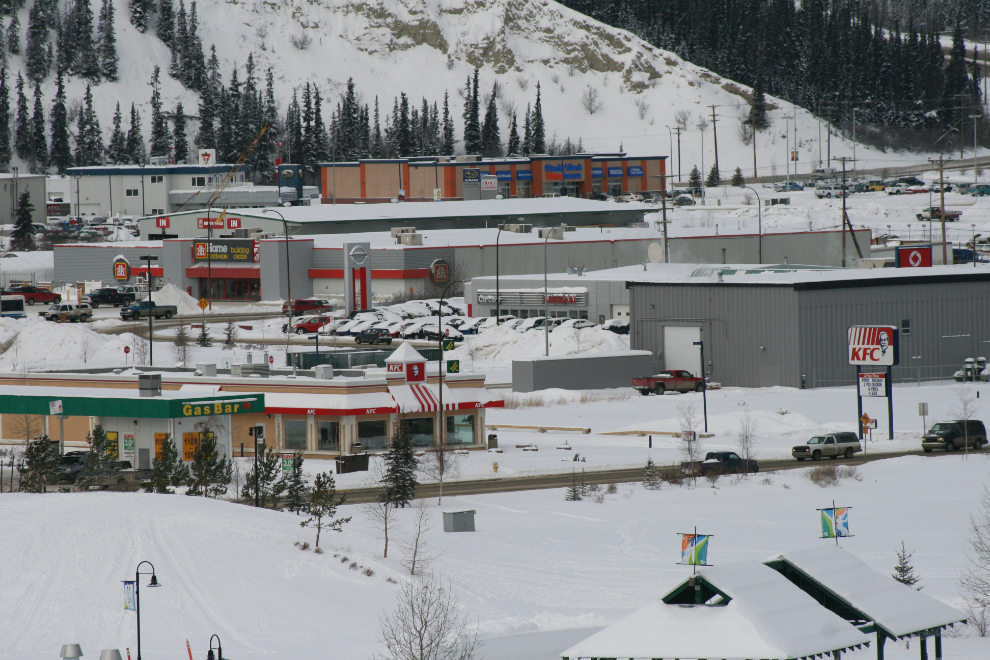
[230, 175]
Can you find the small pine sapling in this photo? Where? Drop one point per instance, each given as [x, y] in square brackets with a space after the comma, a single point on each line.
[399, 480]
[211, 472]
[40, 466]
[167, 470]
[574, 492]
[229, 336]
[323, 505]
[651, 475]
[903, 570]
[204, 339]
[737, 178]
[268, 480]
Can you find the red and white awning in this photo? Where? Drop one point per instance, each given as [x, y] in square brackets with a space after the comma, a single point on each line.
[417, 397]
[362, 403]
[221, 271]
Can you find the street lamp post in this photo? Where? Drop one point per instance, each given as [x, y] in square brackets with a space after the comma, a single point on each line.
[77, 177]
[975, 180]
[288, 274]
[975, 236]
[148, 258]
[759, 216]
[704, 383]
[670, 135]
[137, 597]
[498, 298]
[557, 233]
[219, 655]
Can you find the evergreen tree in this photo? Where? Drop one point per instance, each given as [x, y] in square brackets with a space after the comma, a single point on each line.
[694, 178]
[491, 140]
[204, 339]
[956, 81]
[179, 139]
[211, 472]
[538, 129]
[472, 117]
[14, 35]
[758, 108]
[194, 62]
[23, 142]
[207, 137]
[107, 42]
[651, 475]
[527, 141]
[22, 234]
[903, 570]
[737, 178]
[267, 482]
[166, 23]
[399, 480]
[40, 466]
[714, 179]
[296, 489]
[65, 38]
[323, 504]
[377, 142]
[39, 139]
[321, 144]
[139, 10]
[36, 61]
[100, 466]
[134, 145]
[61, 155]
[89, 137]
[404, 136]
[513, 147]
[117, 147]
[159, 125]
[448, 141]
[5, 150]
[230, 336]
[85, 58]
[167, 470]
[180, 46]
[574, 492]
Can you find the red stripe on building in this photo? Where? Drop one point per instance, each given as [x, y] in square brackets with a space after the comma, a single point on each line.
[378, 274]
[156, 271]
[219, 272]
[330, 411]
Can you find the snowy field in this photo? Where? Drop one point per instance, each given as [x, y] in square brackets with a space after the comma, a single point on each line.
[538, 567]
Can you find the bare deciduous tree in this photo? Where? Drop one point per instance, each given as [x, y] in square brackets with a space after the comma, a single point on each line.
[426, 625]
[746, 438]
[383, 515]
[590, 100]
[508, 107]
[86, 346]
[440, 463]
[681, 118]
[975, 578]
[642, 106]
[690, 445]
[964, 410]
[416, 553]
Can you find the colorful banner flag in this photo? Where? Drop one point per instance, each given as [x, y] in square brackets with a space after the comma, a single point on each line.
[835, 523]
[130, 601]
[694, 549]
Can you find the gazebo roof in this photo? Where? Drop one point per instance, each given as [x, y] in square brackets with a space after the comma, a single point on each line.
[847, 586]
[755, 613]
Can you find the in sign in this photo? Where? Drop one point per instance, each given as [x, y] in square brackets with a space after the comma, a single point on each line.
[162, 223]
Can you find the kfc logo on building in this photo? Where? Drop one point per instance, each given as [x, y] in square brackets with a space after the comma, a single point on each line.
[415, 372]
[395, 368]
[873, 345]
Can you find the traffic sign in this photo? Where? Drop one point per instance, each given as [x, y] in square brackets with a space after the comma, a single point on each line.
[271, 359]
[127, 349]
[203, 303]
[448, 344]
[453, 366]
[867, 422]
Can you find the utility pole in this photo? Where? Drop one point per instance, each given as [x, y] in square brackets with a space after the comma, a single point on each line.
[845, 216]
[941, 178]
[715, 133]
[678, 129]
[753, 126]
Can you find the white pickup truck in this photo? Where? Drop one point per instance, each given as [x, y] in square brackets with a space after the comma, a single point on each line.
[832, 445]
[830, 192]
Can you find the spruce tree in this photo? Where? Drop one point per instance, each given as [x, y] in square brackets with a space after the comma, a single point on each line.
[159, 125]
[65, 38]
[23, 142]
[180, 47]
[447, 142]
[5, 150]
[267, 482]
[323, 503]
[100, 466]
[167, 469]
[472, 119]
[537, 128]
[296, 489]
[903, 570]
[39, 139]
[694, 178]
[61, 154]
[40, 466]
[758, 107]
[139, 11]
[207, 137]
[22, 234]
[204, 339]
[737, 178]
[14, 35]
[526, 148]
[166, 23]
[107, 42]
[491, 140]
[89, 133]
[651, 475]
[117, 147]
[85, 58]
[36, 62]
[179, 139]
[714, 179]
[574, 492]
[399, 481]
[230, 336]
[194, 60]
[211, 472]
[513, 147]
[134, 146]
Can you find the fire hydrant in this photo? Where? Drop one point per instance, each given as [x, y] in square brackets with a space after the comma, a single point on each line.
[495, 466]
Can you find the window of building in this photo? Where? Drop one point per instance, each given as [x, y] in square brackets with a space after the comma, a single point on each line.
[371, 434]
[494, 312]
[422, 431]
[536, 312]
[295, 434]
[328, 436]
[157, 178]
[615, 187]
[131, 192]
[523, 314]
[503, 189]
[514, 312]
[157, 211]
[906, 327]
[199, 181]
[596, 186]
[460, 430]
[523, 189]
[583, 314]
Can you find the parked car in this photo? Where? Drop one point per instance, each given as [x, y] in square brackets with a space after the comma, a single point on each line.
[309, 324]
[68, 313]
[935, 213]
[832, 445]
[618, 326]
[577, 324]
[720, 462]
[144, 308]
[790, 186]
[33, 294]
[951, 436]
[306, 305]
[675, 380]
[631, 197]
[979, 190]
[684, 200]
[69, 466]
[472, 325]
[116, 296]
[898, 189]
[431, 333]
[374, 336]
[830, 192]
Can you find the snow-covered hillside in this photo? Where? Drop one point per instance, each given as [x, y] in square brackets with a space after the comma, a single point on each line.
[426, 47]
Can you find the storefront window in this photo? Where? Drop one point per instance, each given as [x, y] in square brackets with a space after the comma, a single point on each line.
[328, 436]
[615, 187]
[503, 189]
[460, 430]
[596, 186]
[371, 434]
[522, 189]
[295, 434]
[230, 289]
[422, 431]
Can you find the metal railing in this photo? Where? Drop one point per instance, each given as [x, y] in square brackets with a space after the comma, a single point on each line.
[901, 374]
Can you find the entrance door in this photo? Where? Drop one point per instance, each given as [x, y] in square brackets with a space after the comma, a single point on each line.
[144, 459]
[679, 351]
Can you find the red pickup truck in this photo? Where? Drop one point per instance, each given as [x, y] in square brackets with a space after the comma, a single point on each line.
[669, 381]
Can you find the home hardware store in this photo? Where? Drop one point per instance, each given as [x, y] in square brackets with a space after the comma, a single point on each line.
[136, 420]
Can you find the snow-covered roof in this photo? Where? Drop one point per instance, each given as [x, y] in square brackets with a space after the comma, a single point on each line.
[896, 608]
[405, 354]
[767, 617]
[41, 262]
[383, 240]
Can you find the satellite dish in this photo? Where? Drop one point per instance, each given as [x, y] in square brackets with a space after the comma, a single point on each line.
[655, 253]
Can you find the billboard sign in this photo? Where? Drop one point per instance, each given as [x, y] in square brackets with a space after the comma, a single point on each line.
[873, 345]
[229, 250]
[210, 223]
[489, 183]
[57, 208]
[439, 272]
[635, 170]
[918, 256]
[873, 384]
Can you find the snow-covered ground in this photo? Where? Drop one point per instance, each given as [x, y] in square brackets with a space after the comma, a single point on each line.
[536, 563]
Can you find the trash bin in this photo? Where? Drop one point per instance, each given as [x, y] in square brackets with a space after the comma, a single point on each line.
[458, 521]
[492, 441]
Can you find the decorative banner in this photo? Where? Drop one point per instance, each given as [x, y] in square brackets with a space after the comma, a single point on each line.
[694, 549]
[130, 600]
[55, 407]
[835, 523]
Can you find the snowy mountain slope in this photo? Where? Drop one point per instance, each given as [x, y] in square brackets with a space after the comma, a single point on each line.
[424, 47]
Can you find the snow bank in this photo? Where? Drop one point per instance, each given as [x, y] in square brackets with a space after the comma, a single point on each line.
[38, 344]
[173, 295]
[498, 346]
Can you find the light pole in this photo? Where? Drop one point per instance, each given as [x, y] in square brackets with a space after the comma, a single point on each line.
[670, 134]
[288, 275]
[975, 180]
[148, 258]
[219, 655]
[759, 219]
[78, 205]
[557, 233]
[975, 236]
[704, 384]
[137, 597]
[498, 298]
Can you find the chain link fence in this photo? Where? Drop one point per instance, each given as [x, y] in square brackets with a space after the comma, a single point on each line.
[901, 374]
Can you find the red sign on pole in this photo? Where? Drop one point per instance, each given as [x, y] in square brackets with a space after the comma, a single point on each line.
[163, 222]
[127, 349]
[914, 257]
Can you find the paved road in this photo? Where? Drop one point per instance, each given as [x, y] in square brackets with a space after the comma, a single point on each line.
[562, 480]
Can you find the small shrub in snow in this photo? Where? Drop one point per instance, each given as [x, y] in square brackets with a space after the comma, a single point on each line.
[353, 566]
[391, 580]
[598, 498]
[318, 550]
[903, 570]
[590, 100]
[304, 546]
[574, 491]
[301, 41]
[344, 560]
[652, 478]
[766, 481]
[368, 572]
[823, 475]
[612, 489]
[848, 472]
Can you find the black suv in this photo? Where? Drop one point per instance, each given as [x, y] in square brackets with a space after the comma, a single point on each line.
[374, 336]
[954, 435]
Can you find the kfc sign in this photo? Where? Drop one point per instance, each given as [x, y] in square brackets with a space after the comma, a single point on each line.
[395, 368]
[913, 257]
[415, 372]
[873, 345]
[162, 223]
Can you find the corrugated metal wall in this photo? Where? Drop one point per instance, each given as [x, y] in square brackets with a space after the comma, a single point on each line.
[95, 262]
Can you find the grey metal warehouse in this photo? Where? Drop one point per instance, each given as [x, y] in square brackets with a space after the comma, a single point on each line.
[787, 326]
